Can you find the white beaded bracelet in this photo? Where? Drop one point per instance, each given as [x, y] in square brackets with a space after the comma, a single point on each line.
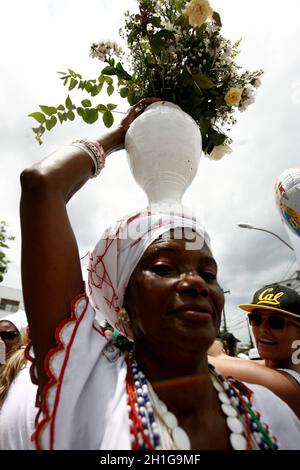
[95, 151]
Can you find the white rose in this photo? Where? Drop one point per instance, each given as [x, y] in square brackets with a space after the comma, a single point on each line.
[219, 151]
[233, 96]
[198, 12]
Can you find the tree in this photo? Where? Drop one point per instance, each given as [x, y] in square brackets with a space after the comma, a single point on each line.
[3, 258]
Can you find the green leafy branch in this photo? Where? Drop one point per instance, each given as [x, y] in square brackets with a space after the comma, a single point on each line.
[49, 116]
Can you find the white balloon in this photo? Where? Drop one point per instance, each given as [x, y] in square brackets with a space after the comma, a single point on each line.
[287, 193]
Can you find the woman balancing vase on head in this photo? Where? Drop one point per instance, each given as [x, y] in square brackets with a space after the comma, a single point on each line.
[274, 316]
[154, 278]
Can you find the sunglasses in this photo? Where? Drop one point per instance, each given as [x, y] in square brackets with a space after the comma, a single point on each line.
[275, 322]
[8, 335]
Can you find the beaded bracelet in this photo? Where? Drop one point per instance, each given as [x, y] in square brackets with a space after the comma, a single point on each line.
[95, 151]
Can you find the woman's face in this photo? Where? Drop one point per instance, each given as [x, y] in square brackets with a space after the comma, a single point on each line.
[13, 338]
[173, 298]
[275, 344]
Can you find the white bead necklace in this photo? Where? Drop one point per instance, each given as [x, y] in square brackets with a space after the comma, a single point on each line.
[153, 426]
[172, 435]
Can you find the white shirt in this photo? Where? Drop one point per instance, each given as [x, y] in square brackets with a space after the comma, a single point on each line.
[18, 412]
[293, 373]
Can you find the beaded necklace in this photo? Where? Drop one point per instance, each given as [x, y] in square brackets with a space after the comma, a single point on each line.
[154, 427]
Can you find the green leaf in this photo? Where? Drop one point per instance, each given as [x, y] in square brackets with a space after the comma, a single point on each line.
[71, 115]
[86, 103]
[90, 115]
[108, 80]
[39, 117]
[61, 73]
[101, 79]
[204, 125]
[180, 20]
[71, 72]
[69, 104]
[60, 117]
[80, 111]
[96, 90]
[66, 81]
[121, 73]
[61, 107]
[216, 138]
[102, 108]
[108, 70]
[73, 83]
[155, 20]
[219, 101]
[38, 130]
[131, 99]
[49, 110]
[124, 92]
[217, 19]
[111, 106]
[82, 84]
[88, 86]
[51, 123]
[203, 81]
[110, 90]
[108, 119]
[160, 40]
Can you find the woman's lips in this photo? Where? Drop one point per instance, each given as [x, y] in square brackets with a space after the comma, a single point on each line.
[194, 312]
[266, 342]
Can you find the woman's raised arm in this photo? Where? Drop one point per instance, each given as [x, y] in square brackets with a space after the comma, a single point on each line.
[51, 271]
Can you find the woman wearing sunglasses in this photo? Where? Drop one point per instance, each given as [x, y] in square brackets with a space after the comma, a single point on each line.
[274, 316]
[11, 328]
[17, 392]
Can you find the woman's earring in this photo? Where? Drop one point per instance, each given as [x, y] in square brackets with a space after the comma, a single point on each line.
[123, 316]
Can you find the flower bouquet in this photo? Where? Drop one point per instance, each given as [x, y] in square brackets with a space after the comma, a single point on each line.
[174, 51]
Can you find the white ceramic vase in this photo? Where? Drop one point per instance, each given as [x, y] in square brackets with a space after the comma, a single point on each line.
[164, 146]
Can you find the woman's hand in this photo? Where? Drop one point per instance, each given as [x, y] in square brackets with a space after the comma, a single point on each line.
[135, 110]
[115, 139]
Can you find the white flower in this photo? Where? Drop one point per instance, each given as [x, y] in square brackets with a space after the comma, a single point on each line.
[248, 97]
[227, 53]
[171, 27]
[219, 151]
[233, 96]
[257, 83]
[198, 12]
[105, 48]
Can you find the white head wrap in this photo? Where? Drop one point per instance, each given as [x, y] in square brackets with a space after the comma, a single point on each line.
[119, 250]
[18, 319]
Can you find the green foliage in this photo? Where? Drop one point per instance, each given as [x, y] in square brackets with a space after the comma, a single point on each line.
[3, 245]
[192, 66]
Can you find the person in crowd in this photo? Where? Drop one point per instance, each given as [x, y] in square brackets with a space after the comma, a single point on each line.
[145, 281]
[230, 343]
[17, 394]
[11, 328]
[274, 316]
[254, 355]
